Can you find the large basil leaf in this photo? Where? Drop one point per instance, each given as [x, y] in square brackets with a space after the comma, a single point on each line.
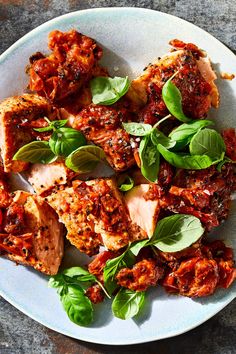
[107, 90]
[127, 303]
[173, 100]
[208, 142]
[35, 152]
[85, 158]
[66, 140]
[77, 306]
[184, 133]
[186, 161]
[150, 159]
[137, 129]
[177, 232]
[158, 137]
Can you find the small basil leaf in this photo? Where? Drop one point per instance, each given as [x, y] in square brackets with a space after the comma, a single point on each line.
[85, 158]
[137, 246]
[150, 159]
[186, 161]
[158, 137]
[125, 183]
[208, 142]
[35, 152]
[80, 274]
[52, 125]
[173, 100]
[137, 129]
[65, 140]
[106, 90]
[184, 133]
[177, 232]
[56, 281]
[44, 129]
[77, 306]
[127, 303]
[111, 268]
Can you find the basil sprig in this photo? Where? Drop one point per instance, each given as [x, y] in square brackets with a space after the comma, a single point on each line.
[52, 125]
[85, 158]
[148, 152]
[107, 90]
[127, 303]
[61, 144]
[71, 286]
[173, 100]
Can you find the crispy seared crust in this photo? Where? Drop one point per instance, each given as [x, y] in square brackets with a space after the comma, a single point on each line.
[13, 112]
[94, 214]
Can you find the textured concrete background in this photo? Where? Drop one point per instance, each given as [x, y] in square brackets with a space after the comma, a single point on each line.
[20, 334]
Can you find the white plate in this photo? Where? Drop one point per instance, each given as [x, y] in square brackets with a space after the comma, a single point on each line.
[132, 38]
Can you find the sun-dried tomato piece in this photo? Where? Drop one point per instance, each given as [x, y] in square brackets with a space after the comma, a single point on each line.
[95, 294]
[143, 275]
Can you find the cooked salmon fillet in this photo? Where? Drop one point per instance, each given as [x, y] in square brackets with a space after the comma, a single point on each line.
[44, 177]
[143, 213]
[31, 233]
[18, 116]
[94, 214]
[195, 80]
[102, 125]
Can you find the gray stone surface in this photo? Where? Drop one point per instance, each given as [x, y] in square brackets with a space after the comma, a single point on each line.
[20, 334]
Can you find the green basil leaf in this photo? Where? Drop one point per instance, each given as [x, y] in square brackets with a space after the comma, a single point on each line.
[35, 152]
[85, 158]
[107, 90]
[158, 137]
[66, 140]
[208, 142]
[111, 268]
[77, 306]
[137, 246]
[184, 133]
[150, 159]
[186, 161]
[80, 274]
[56, 281]
[125, 183]
[127, 303]
[173, 100]
[52, 125]
[137, 129]
[177, 232]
